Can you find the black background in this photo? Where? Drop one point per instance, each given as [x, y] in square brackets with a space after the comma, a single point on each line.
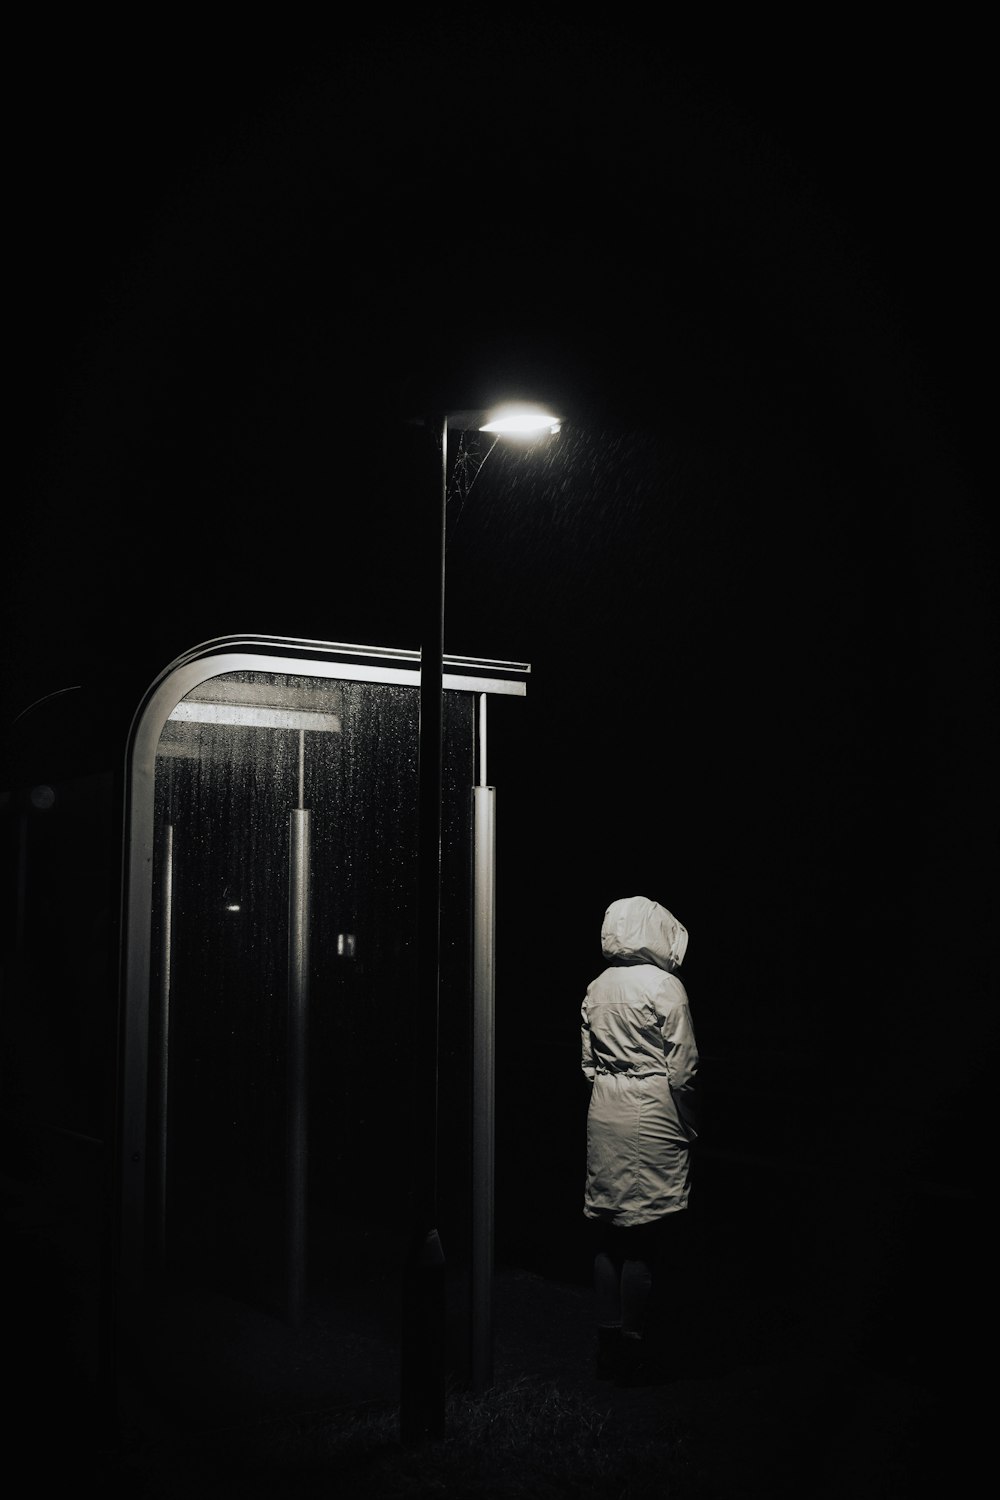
[753, 575]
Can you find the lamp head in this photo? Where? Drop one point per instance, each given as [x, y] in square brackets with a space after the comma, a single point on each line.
[520, 419]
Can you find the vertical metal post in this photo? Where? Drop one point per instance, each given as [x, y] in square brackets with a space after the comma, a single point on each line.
[422, 1363]
[297, 1066]
[482, 740]
[162, 1083]
[483, 1074]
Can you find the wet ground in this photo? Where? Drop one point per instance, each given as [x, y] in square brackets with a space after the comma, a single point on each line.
[770, 1397]
[761, 1411]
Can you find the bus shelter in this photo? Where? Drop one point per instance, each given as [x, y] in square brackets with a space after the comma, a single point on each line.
[268, 980]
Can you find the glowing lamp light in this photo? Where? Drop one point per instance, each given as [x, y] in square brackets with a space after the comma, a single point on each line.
[521, 421]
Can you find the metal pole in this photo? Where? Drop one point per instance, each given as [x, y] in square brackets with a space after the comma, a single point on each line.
[422, 1364]
[297, 1075]
[162, 1084]
[483, 1073]
[482, 740]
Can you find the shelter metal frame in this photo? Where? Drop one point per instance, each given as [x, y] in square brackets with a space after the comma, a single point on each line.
[340, 662]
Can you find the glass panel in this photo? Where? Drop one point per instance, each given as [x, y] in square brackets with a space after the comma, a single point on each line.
[237, 760]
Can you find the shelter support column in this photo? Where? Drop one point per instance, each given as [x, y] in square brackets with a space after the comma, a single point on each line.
[483, 1092]
[297, 1092]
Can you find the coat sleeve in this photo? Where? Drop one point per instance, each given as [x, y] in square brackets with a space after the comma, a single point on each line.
[586, 1049]
[680, 1052]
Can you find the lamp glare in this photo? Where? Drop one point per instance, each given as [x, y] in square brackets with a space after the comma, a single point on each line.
[522, 422]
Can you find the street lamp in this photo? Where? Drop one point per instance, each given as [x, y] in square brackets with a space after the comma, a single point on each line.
[422, 1383]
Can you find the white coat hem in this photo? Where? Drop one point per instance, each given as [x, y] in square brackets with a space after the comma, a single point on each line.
[628, 1220]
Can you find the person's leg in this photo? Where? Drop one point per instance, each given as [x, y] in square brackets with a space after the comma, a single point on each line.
[607, 1290]
[607, 1299]
[638, 1260]
[657, 1339]
[636, 1289]
[639, 1265]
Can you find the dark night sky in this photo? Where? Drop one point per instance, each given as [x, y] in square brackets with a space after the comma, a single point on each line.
[754, 578]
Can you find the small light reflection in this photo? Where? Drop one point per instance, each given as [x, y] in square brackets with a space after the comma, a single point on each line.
[346, 944]
[232, 906]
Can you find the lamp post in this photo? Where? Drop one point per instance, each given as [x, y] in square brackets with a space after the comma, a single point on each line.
[423, 1352]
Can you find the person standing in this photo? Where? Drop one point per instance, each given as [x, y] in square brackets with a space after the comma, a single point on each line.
[640, 1055]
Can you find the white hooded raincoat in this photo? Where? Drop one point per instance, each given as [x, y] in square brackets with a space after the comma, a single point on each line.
[639, 1050]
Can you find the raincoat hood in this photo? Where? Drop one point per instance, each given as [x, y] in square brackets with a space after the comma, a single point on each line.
[639, 931]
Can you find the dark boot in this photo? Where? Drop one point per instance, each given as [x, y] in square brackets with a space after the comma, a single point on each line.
[609, 1343]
